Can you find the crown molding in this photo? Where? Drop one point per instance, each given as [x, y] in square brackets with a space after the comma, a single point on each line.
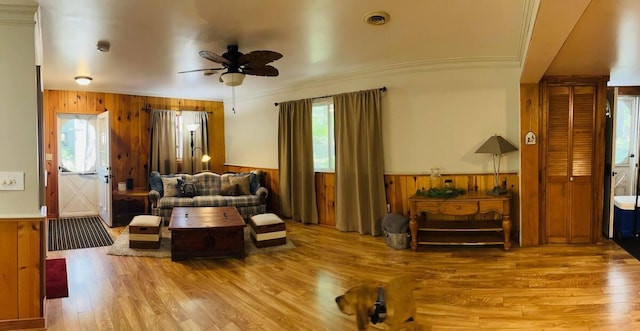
[11, 14]
[506, 62]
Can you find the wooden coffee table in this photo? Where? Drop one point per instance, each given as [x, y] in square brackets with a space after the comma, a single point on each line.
[206, 232]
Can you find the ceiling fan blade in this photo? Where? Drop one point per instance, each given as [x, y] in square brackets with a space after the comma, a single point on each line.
[214, 57]
[259, 57]
[196, 70]
[260, 71]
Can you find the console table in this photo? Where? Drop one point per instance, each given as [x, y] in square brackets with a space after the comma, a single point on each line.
[129, 203]
[474, 218]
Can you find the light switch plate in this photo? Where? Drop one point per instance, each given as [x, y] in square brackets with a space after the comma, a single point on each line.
[11, 181]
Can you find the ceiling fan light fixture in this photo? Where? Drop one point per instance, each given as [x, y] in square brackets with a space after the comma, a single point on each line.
[83, 80]
[377, 17]
[103, 46]
[232, 78]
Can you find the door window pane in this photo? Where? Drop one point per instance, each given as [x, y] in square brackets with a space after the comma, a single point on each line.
[623, 130]
[77, 144]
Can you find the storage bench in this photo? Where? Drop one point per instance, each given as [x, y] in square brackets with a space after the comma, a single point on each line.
[267, 230]
[144, 232]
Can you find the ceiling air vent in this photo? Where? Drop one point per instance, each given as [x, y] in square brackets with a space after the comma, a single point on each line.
[376, 17]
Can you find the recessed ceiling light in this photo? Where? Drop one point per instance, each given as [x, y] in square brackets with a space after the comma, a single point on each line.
[376, 17]
[83, 80]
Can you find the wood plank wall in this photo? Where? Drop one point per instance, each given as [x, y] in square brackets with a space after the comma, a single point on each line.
[22, 274]
[271, 180]
[398, 187]
[530, 112]
[130, 132]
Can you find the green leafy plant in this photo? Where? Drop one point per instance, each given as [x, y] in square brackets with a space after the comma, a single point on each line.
[445, 192]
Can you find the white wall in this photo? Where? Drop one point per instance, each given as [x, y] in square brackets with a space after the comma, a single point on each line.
[431, 117]
[18, 110]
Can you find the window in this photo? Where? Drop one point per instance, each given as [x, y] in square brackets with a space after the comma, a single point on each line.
[179, 140]
[322, 122]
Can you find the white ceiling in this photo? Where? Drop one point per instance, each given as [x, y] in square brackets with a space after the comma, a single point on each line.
[152, 40]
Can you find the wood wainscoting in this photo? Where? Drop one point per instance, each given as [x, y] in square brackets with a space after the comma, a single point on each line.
[22, 274]
[398, 187]
[270, 180]
[130, 132]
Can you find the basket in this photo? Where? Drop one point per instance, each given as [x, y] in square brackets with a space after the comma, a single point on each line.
[398, 240]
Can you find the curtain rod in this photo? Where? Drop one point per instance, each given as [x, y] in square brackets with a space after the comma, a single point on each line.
[382, 89]
[148, 108]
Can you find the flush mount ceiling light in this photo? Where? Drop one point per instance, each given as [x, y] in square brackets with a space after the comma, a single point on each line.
[232, 78]
[376, 17]
[83, 80]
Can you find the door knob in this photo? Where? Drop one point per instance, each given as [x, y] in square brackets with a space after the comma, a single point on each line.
[571, 179]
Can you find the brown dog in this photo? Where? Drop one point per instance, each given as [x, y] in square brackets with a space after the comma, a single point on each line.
[363, 300]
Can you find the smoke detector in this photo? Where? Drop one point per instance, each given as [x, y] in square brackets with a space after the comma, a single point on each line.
[103, 46]
[376, 17]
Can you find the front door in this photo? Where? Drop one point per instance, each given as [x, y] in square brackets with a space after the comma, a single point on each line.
[104, 168]
[77, 180]
[625, 145]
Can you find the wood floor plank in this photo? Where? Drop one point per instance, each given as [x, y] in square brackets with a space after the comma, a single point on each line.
[568, 287]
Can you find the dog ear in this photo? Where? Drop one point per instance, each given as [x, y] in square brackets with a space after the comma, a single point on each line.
[362, 314]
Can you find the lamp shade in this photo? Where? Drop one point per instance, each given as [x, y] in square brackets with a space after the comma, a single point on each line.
[232, 78]
[496, 145]
[192, 127]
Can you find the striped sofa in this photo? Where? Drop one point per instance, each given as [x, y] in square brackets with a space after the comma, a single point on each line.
[208, 193]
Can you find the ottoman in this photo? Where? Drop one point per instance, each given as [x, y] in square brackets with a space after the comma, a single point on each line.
[144, 232]
[267, 230]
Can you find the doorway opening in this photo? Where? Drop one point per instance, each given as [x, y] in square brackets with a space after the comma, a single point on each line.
[77, 160]
[623, 141]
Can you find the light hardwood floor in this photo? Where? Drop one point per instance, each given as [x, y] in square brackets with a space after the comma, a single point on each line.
[577, 287]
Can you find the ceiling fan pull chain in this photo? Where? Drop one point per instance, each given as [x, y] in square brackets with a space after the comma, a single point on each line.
[233, 99]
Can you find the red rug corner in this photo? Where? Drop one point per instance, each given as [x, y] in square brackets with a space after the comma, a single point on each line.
[56, 271]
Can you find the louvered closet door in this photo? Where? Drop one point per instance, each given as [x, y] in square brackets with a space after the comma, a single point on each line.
[569, 155]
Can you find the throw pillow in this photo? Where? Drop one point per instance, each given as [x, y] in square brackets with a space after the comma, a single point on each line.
[254, 182]
[229, 190]
[155, 183]
[243, 184]
[187, 189]
[170, 187]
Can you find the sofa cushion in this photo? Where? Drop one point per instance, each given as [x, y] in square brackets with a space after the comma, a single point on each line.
[209, 201]
[170, 202]
[243, 183]
[243, 200]
[155, 183]
[230, 190]
[254, 182]
[170, 187]
[207, 183]
[187, 189]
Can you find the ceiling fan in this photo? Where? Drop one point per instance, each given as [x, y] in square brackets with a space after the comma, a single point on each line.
[238, 64]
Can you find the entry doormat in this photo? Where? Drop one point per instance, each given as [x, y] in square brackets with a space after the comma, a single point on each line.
[77, 232]
[57, 286]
